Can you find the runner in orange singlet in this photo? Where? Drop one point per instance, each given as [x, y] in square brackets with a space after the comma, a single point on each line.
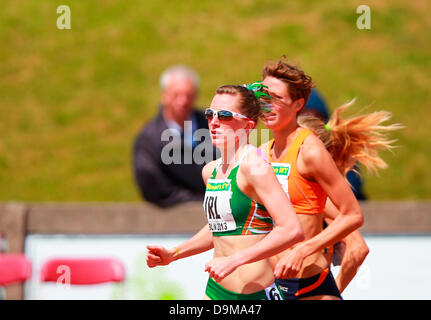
[310, 165]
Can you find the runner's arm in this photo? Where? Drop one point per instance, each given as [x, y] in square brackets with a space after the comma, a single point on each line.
[287, 230]
[200, 242]
[318, 163]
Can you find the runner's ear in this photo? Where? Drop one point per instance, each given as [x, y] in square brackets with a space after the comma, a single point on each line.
[299, 104]
[250, 125]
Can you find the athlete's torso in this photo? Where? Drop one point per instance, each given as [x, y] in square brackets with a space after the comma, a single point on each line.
[237, 222]
[307, 197]
[231, 212]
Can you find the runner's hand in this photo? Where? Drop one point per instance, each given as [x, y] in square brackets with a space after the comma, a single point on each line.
[219, 268]
[290, 264]
[158, 256]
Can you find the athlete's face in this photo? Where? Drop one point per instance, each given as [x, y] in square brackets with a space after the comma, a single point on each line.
[284, 109]
[227, 131]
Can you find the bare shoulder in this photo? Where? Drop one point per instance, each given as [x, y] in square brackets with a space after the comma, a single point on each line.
[312, 150]
[313, 159]
[254, 164]
[208, 170]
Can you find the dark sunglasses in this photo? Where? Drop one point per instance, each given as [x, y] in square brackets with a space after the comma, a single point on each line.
[223, 114]
[265, 104]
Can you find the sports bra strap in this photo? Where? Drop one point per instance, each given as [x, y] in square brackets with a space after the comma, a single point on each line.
[243, 154]
[219, 161]
[293, 151]
[218, 164]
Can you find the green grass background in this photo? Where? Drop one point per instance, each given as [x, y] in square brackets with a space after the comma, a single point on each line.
[71, 101]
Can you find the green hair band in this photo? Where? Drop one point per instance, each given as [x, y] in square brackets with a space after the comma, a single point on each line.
[327, 127]
[256, 88]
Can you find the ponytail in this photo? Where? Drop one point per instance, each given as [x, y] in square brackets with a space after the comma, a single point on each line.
[355, 139]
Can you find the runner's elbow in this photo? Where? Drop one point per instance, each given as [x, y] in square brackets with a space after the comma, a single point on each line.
[354, 219]
[359, 219]
[363, 252]
[298, 235]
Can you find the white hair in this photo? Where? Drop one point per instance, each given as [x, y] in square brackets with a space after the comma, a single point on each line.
[180, 71]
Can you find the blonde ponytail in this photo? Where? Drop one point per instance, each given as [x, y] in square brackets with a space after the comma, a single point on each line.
[355, 139]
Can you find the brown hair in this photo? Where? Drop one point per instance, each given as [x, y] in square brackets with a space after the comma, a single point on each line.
[355, 139]
[299, 84]
[249, 105]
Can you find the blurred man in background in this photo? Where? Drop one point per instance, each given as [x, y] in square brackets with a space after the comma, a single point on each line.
[316, 105]
[166, 184]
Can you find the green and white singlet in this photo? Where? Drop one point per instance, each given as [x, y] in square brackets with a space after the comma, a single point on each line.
[229, 211]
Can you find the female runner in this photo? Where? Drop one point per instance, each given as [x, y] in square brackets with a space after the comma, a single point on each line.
[249, 215]
[311, 171]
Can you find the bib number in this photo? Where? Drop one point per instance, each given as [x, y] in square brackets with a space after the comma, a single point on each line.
[217, 206]
[282, 171]
[272, 293]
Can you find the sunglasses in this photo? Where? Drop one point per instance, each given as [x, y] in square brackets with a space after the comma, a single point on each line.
[265, 105]
[223, 114]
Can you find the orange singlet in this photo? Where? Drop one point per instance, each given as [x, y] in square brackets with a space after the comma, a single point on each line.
[307, 197]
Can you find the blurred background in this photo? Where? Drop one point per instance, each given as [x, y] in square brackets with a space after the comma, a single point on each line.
[71, 101]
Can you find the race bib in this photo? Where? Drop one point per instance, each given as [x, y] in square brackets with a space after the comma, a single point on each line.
[282, 171]
[217, 205]
[273, 293]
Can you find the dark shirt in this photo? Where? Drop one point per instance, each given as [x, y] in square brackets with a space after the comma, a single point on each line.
[356, 184]
[170, 184]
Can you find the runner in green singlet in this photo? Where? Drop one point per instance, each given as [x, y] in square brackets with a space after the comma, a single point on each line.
[249, 215]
